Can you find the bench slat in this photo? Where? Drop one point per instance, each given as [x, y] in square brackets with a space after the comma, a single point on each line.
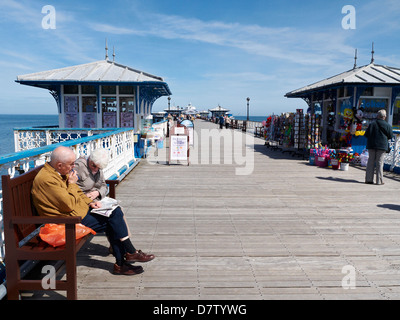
[37, 285]
[36, 249]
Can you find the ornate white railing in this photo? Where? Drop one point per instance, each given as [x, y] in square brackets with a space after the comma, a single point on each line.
[119, 142]
[30, 138]
[392, 159]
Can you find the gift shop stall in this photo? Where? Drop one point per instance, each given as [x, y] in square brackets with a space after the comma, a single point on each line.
[340, 108]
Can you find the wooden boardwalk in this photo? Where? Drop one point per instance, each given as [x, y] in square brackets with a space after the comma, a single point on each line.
[285, 230]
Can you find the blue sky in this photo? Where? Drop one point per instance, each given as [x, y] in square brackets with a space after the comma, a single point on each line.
[210, 52]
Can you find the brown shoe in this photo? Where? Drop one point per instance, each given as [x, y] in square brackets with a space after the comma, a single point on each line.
[139, 256]
[127, 269]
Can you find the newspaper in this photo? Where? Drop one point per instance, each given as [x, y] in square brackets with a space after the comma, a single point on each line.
[108, 205]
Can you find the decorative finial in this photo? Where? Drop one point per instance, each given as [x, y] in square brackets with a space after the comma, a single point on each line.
[113, 54]
[106, 50]
[372, 52]
[355, 60]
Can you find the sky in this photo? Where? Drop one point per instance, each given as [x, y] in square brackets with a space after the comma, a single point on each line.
[210, 52]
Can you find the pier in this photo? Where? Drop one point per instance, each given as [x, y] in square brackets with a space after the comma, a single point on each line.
[281, 229]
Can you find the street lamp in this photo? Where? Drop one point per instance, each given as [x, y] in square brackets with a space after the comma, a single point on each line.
[169, 103]
[248, 101]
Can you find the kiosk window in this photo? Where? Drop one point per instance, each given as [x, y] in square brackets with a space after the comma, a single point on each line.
[126, 90]
[88, 89]
[70, 89]
[108, 89]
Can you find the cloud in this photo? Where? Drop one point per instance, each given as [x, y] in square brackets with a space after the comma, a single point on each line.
[19, 12]
[106, 28]
[283, 43]
[241, 76]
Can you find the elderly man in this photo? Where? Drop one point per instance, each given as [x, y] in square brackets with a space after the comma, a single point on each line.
[56, 193]
[378, 133]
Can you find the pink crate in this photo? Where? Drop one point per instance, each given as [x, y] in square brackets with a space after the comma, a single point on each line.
[321, 161]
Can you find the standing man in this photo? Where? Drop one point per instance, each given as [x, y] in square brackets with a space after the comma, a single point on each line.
[378, 135]
[221, 121]
[55, 193]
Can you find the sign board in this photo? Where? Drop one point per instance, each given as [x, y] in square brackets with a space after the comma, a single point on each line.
[179, 148]
[190, 130]
[179, 130]
[179, 144]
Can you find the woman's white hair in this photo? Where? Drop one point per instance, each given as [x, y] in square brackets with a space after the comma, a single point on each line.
[99, 157]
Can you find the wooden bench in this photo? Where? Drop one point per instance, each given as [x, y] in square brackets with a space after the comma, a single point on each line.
[20, 221]
[111, 186]
[113, 183]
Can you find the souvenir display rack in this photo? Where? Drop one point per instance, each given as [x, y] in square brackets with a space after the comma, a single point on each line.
[299, 130]
[293, 130]
[313, 125]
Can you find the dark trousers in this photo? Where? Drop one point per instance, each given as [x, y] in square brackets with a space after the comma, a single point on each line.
[114, 227]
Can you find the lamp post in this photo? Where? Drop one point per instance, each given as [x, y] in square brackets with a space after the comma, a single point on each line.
[169, 103]
[248, 102]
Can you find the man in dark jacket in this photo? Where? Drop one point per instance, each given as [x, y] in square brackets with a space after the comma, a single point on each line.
[378, 133]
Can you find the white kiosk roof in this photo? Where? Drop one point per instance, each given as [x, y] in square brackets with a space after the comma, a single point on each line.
[103, 71]
[365, 75]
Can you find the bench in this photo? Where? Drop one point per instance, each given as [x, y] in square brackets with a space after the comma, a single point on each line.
[20, 221]
[113, 183]
[111, 186]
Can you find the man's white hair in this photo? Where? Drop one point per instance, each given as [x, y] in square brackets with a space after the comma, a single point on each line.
[381, 114]
[99, 157]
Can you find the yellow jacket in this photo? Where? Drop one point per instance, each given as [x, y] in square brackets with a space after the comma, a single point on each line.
[54, 196]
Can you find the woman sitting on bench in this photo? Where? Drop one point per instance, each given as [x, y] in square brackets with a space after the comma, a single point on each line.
[55, 192]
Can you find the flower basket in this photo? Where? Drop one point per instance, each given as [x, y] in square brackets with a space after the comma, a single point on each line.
[321, 161]
[335, 164]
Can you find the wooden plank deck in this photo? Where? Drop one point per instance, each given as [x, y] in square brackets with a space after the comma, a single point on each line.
[285, 231]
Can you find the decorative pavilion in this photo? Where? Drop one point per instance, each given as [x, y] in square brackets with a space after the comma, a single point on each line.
[101, 94]
[351, 100]
[218, 111]
[174, 111]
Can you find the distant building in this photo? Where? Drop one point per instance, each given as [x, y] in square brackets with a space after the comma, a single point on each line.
[218, 111]
[190, 110]
[174, 111]
[100, 94]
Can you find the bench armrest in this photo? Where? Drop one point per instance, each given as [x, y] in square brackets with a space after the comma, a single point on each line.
[43, 220]
[112, 184]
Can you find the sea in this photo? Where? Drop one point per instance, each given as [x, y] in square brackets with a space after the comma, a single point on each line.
[10, 121]
[252, 118]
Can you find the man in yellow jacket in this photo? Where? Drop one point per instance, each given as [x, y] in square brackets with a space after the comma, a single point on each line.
[55, 193]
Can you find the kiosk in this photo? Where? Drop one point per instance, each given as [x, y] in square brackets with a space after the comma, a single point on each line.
[101, 94]
[345, 104]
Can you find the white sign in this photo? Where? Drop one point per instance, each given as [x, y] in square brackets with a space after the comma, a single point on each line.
[179, 148]
[179, 130]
